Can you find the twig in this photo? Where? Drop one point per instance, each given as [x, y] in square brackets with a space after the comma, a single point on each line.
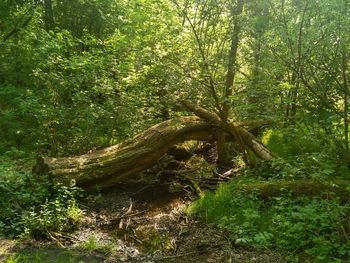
[129, 215]
[226, 175]
[180, 255]
[56, 240]
[195, 185]
[66, 236]
[130, 207]
[135, 239]
[344, 233]
[141, 190]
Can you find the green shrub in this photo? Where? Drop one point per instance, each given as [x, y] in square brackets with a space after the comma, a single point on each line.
[314, 227]
[54, 213]
[32, 205]
[312, 166]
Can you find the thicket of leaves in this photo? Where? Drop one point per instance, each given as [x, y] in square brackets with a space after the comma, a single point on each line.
[34, 207]
[86, 82]
[85, 74]
[309, 229]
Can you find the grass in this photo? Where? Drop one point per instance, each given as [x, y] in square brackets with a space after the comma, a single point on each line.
[93, 244]
[50, 254]
[313, 227]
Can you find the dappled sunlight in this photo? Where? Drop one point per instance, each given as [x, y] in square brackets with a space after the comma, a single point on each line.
[181, 131]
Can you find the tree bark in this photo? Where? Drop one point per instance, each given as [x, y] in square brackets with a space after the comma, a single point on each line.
[230, 76]
[48, 15]
[108, 166]
[113, 164]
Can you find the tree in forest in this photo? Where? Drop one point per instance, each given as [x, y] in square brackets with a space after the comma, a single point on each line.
[215, 55]
[122, 67]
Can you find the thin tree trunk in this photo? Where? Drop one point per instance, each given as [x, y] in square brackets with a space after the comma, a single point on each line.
[296, 67]
[346, 88]
[346, 107]
[230, 76]
[48, 15]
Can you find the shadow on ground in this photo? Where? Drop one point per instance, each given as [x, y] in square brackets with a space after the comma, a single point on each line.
[137, 223]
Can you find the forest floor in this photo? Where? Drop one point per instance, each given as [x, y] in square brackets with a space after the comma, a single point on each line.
[137, 222]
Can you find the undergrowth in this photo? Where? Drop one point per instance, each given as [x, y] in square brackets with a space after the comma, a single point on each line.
[33, 206]
[315, 227]
[304, 152]
[309, 228]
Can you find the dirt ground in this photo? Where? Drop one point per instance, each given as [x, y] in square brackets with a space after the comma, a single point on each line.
[138, 222]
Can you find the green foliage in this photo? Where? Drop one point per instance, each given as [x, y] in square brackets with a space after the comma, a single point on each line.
[80, 75]
[308, 166]
[87, 74]
[91, 79]
[55, 214]
[303, 152]
[294, 140]
[33, 206]
[312, 227]
[93, 244]
[90, 244]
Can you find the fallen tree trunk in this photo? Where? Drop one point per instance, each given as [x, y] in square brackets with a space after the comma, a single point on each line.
[113, 164]
[244, 137]
[108, 166]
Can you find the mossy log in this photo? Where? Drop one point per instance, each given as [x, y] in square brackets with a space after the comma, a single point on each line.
[297, 188]
[113, 164]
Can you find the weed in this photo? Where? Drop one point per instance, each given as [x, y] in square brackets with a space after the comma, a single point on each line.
[49, 254]
[90, 244]
[93, 244]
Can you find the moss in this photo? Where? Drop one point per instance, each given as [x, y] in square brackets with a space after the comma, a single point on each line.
[298, 188]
